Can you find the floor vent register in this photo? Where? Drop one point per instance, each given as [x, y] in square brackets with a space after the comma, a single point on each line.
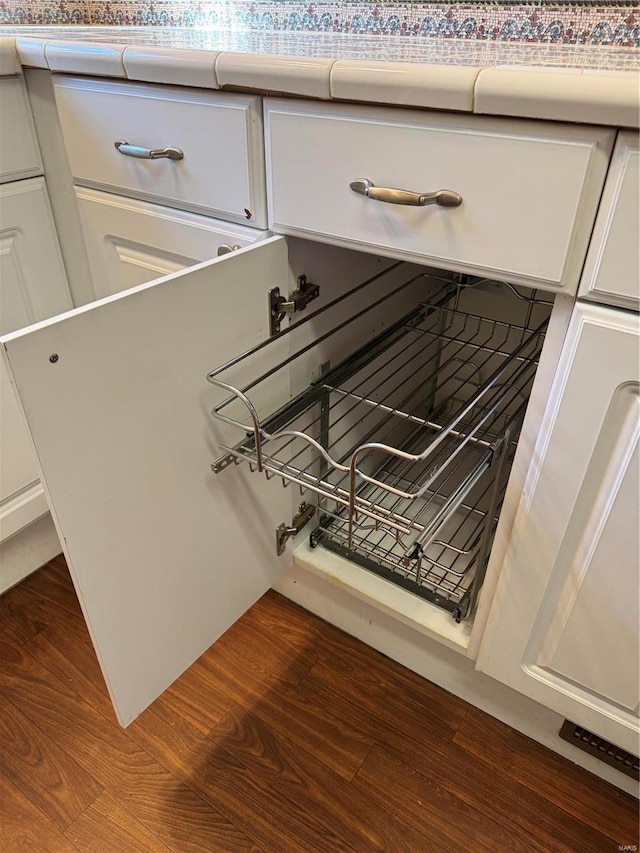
[606, 751]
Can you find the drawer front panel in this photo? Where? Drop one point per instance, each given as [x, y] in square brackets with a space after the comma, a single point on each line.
[612, 272]
[529, 190]
[220, 136]
[19, 152]
[130, 242]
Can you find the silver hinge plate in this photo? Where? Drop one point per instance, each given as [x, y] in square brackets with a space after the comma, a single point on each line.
[283, 533]
[280, 306]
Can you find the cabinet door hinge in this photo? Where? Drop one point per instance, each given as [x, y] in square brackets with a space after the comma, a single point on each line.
[280, 306]
[305, 513]
[227, 248]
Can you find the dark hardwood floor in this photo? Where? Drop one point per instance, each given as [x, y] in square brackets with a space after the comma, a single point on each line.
[286, 736]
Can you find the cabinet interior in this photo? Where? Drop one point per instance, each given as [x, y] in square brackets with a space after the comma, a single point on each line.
[406, 395]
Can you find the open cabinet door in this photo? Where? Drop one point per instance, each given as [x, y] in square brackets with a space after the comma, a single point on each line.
[164, 554]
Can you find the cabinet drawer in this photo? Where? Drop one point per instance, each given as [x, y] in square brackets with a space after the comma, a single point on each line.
[130, 242]
[612, 271]
[19, 152]
[529, 190]
[221, 171]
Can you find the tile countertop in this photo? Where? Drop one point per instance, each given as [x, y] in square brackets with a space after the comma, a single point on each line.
[598, 85]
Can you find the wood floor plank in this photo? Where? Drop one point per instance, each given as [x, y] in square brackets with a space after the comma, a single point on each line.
[65, 717]
[164, 805]
[286, 710]
[23, 827]
[376, 705]
[196, 699]
[69, 655]
[272, 820]
[162, 732]
[411, 736]
[502, 800]
[267, 656]
[295, 628]
[106, 827]
[337, 649]
[577, 792]
[50, 587]
[367, 668]
[172, 810]
[377, 676]
[19, 622]
[431, 808]
[354, 816]
[45, 773]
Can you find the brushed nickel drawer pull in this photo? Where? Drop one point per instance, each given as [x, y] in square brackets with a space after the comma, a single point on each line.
[148, 153]
[445, 198]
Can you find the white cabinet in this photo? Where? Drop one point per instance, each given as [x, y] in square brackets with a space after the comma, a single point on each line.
[32, 286]
[564, 627]
[612, 271]
[130, 242]
[19, 152]
[163, 553]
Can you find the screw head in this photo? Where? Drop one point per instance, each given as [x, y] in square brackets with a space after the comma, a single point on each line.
[54, 357]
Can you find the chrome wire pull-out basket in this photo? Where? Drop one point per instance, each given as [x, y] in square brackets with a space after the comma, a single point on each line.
[403, 441]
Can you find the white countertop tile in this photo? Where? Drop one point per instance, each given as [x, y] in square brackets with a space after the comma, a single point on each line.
[292, 75]
[86, 57]
[9, 61]
[171, 65]
[30, 51]
[589, 96]
[405, 84]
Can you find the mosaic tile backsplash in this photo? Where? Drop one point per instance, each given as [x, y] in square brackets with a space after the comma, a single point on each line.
[585, 22]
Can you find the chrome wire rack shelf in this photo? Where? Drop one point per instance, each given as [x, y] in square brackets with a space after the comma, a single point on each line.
[443, 571]
[406, 442]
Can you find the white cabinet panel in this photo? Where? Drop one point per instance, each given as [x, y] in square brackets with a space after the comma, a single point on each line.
[220, 135]
[612, 271]
[164, 554]
[588, 634]
[32, 286]
[130, 242]
[19, 152]
[564, 627]
[33, 279]
[529, 190]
